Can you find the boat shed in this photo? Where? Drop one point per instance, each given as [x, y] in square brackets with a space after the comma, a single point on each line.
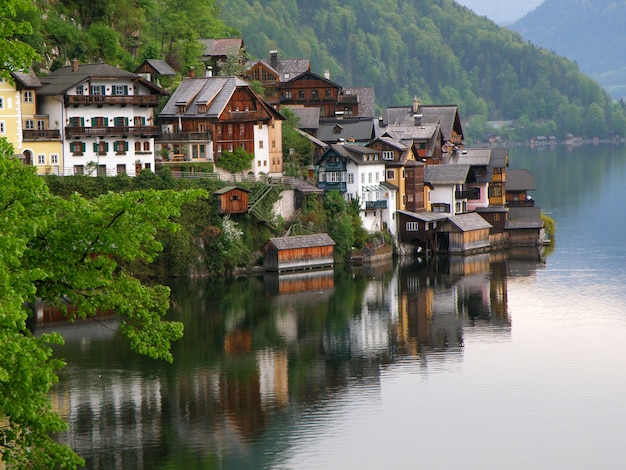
[524, 226]
[467, 233]
[232, 200]
[298, 253]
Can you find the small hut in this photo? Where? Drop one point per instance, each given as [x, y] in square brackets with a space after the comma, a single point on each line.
[467, 233]
[302, 252]
[232, 200]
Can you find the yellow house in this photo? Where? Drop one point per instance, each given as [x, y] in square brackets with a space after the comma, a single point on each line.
[34, 138]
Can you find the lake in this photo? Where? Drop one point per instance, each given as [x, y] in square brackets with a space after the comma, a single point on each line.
[506, 360]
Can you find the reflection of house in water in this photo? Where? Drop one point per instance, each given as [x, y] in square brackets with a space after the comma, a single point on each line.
[290, 283]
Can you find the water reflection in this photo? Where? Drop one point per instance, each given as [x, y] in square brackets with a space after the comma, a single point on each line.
[263, 356]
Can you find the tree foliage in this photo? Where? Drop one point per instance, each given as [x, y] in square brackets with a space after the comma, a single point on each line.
[236, 161]
[72, 253]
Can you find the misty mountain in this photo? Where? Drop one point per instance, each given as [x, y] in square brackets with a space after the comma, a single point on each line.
[591, 33]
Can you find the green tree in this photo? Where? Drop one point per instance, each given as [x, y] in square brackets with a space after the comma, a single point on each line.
[70, 251]
[236, 161]
[15, 55]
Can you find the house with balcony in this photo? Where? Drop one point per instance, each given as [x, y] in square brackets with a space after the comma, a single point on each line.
[34, 138]
[478, 160]
[105, 117]
[207, 116]
[434, 129]
[358, 173]
[403, 172]
[448, 188]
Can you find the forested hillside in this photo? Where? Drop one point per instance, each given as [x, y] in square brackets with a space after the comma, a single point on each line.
[434, 49]
[591, 33]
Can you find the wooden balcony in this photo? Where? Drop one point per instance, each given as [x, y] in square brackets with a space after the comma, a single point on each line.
[185, 137]
[137, 131]
[36, 135]
[119, 100]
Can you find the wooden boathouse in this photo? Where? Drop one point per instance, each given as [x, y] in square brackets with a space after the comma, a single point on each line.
[232, 200]
[298, 253]
[467, 233]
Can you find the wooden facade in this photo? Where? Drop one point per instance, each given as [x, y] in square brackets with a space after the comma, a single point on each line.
[232, 200]
[284, 254]
[467, 233]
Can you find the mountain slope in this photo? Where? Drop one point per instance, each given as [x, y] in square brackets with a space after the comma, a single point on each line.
[435, 49]
[590, 33]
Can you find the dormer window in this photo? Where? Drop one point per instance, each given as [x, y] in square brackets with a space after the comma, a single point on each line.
[202, 108]
[181, 109]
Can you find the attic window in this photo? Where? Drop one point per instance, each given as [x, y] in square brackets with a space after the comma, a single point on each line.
[181, 109]
[337, 129]
[202, 108]
[286, 76]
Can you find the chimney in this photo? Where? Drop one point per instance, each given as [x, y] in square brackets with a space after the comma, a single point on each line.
[192, 72]
[74, 65]
[209, 71]
[274, 59]
[416, 105]
[327, 74]
[418, 119]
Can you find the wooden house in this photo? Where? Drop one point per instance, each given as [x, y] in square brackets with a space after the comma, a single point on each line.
[518, 183]
[524, 226]
[467, 233]
[152, 70]
[302, 252]
[216, 52]
[420, 230]
[232, 200]
[207, 116]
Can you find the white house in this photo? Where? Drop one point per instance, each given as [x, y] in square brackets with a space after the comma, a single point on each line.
[447, 182]
[359, 174]
[105, 117]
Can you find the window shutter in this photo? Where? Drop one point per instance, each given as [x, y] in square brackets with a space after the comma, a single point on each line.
[106, 122]
[72, 147]
[103, 88]
[93, 122]
[95, 146]
[115, 146]
[125, 89]
[106, 146]
[126, 119]
[126, 145]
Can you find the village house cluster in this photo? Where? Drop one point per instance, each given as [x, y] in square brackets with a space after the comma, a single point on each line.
[408, 168]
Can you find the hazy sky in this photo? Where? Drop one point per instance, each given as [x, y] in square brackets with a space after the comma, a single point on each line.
[501, 11]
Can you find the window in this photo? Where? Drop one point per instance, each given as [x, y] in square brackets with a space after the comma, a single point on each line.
[369, 177]
[28, 96]
[139, 120]
[496, 217]
[391, 174]
[230, 130]
[334, 176]
[288, 95]
[242, 129]
[29, 124]
[362, 178]
[119, 90]
[440, 207]
[377, 176]
[77, 149]
[350, 178]
[1, 102]
[315, 94]
[328, 93]
[260, 144]
[99, 121]
[146, 146]
[495, 191]
[301, 94]
[181, 109]
[97, 90]
[101, 148]
[120, 121]
[41, 125]
[54, 158]
[41, 159]
[77, 122]
[412, 226]
[79, 170]
[2, 127]
[120, 147]
[121, 169]
[79, 90]
[137, 146]
[387, 154]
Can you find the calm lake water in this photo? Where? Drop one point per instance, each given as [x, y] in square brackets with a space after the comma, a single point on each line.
[487, 362]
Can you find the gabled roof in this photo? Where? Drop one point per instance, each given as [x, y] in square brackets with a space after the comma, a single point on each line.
[26, 79]
[333, 130]
[425, 216]
[447, 116]
[300, 241]
[309, 117]
[307, 75]
[213, 92]
[221, 47]
[367, 99]
[524, 218]
[285, 69]
[469, 221]
[446, 174]
[356, 153]
[470, 156]
[160, 67]
[499, 157]
[519, 179]
[65, 78]
[227, 189]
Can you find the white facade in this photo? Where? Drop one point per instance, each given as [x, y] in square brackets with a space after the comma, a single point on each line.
[105, 127]
[261, 163]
